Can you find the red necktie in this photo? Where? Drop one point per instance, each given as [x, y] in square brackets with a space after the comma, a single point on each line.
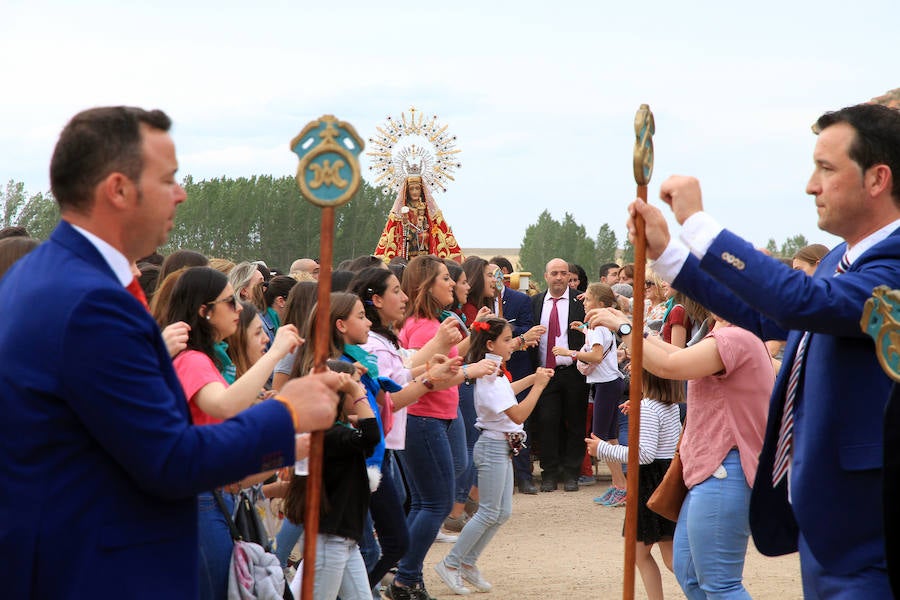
[552, 334]
[134, 288]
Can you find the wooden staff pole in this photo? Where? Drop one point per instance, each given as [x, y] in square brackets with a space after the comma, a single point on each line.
[328, 176]
[643, 169]
[322, 345]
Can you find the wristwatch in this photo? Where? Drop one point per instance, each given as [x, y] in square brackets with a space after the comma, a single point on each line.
[574, 355]
[624, 329]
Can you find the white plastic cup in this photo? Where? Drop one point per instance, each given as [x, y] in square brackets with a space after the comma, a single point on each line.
[301, 467]
[496, 358]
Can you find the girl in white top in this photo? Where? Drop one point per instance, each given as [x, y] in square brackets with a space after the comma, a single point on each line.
[660, 429]
[500, 419]
[598, 361]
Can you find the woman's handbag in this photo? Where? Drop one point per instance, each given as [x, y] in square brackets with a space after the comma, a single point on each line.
[667, 498]
[254, 573]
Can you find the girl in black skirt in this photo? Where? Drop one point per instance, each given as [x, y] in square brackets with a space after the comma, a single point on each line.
[660, 429]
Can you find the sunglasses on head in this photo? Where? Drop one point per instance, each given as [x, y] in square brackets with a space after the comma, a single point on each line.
[649, 284]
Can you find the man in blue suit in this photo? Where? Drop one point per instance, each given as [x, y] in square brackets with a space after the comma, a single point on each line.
[101, 464]
[825, 497]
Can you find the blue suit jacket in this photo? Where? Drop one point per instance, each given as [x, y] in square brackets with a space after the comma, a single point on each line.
[100, 461]
[517, 310]
[839, 412]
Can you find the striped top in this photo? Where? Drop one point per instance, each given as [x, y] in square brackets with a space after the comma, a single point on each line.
[660, 428]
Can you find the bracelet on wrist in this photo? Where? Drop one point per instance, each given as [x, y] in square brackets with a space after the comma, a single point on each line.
[466, 375]
[427, 383]
[358, 400]
[290, 407]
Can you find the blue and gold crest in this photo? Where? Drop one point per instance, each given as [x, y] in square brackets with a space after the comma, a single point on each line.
[881, 320]
[328, 173]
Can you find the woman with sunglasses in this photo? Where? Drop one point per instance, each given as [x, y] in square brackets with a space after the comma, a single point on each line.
[204, 299]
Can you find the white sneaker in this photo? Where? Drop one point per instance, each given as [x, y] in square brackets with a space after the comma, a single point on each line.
[451, 578]
[445, 538]
[473, 576]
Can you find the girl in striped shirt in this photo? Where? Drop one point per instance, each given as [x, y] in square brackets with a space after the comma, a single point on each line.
[660, 429]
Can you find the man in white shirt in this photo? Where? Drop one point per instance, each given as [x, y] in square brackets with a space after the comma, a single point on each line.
[561, 411]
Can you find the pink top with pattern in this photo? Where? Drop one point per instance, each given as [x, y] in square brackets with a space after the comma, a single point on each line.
[728, 410]
[441, 404]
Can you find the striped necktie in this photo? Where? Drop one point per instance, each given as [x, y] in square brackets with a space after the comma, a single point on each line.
[783, 450]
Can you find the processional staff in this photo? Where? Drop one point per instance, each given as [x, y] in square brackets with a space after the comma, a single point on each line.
[328, 176]
[644, 128]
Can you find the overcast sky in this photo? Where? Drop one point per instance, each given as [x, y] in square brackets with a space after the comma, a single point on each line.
[541, 95]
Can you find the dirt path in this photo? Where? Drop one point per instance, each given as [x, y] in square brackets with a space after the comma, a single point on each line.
[562, 545]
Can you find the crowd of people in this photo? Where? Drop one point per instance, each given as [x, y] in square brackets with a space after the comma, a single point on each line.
[153, 389]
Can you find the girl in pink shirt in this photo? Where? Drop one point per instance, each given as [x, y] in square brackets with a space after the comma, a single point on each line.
[731, 378]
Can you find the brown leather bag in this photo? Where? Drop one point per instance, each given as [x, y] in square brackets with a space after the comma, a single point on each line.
[667, 498]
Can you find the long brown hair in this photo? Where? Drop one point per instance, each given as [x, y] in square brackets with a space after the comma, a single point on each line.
[342, 304]
[418, 278]
[667, 391]
[237, 341]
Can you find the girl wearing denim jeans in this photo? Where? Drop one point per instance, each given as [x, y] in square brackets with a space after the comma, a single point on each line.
[500, 418]
[730, 378]
[428, 459]
[345, 495]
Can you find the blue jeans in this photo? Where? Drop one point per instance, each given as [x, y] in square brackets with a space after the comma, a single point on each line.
[464, 425]
[339, 570]
[495, 487]
[387, 516]
[215, 545]
[431, 478]
[286, 539]
[711, 536]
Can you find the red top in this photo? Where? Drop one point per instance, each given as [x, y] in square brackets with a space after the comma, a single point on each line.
[677, 316]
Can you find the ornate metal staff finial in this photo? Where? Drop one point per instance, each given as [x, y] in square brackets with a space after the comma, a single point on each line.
[644, 128]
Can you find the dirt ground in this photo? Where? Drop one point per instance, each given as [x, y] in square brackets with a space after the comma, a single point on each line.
[562, 545]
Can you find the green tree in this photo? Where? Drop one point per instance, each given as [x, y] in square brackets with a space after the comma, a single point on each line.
[628, 252]
[772, 247]
[549, 238]
[792, 245]
[263, 217]
[539, 244]
[607, 245]
[37, 213]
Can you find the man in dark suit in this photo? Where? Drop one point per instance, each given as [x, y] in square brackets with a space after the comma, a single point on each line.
[562, 406]
[516, 308]
[819, 484]
[101, 462]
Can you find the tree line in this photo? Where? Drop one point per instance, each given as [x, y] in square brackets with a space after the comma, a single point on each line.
[265, 217]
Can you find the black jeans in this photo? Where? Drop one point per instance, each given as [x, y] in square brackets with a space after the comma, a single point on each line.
[561, 424]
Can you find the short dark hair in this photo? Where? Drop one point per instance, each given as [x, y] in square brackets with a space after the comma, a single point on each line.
[604, 268]
[95, 143]
[503, 263]
[278, 286]
[13, 231]
[877, 139]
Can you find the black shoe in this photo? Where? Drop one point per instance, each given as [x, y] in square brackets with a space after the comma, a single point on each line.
[571, 485]
[420, 593]
[548, 485]
[395, 592]
[527, 487]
